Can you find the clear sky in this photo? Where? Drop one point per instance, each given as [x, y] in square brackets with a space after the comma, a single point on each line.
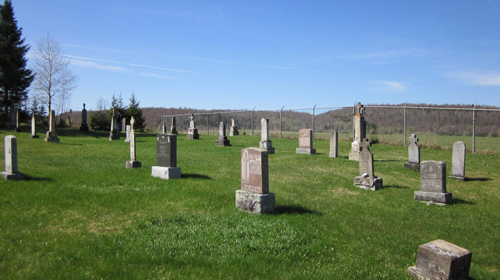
[269, 54]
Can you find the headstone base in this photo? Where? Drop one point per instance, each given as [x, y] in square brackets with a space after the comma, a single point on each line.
[84, 128]
[34, 136]
[440, 198]
[368, 183]
[114, 135]
[304, 151]
[222, 142]
[267, 145]
[51, 137]
[193, 133]
[166, 173]
[255, 202]
[132, 164]
[459, 177]
[354, 155]
[18, 176]
[413, 166]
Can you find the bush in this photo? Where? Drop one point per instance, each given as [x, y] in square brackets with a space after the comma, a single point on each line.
[100, 120]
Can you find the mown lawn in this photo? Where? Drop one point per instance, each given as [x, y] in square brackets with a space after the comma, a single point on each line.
[81, 214]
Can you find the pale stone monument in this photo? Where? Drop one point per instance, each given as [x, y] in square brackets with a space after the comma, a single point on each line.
[234, 129]
[11, 172]
[124, 124]
[114, 134]
[173, 127]
[440, 259]
[192, 130]
[127, 134]
[254, 195]
[334, 142]
[366, 179]
[265, 143]
[222, 140]
[458, 161]
[84, 126]
[359, 132]
[18, 128]
[413, 154]
[433, 183]
[166, 158]
[133, 163]
[33, 127]
[51, 134]
[305, 142]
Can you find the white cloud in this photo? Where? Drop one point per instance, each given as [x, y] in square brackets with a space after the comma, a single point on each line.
[480, 79]
[153, 75]
[394, 86]
[91, 64]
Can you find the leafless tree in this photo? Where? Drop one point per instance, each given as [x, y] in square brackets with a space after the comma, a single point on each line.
[53, 79]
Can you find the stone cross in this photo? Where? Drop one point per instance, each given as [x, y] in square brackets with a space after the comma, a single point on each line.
[458, 161]
[413, 154]
[359, 109]
[191, 121]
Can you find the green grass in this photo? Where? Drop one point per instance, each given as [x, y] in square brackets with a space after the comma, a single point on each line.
[81, 214]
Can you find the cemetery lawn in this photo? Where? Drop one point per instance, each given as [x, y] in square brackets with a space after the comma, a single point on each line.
[81, 214]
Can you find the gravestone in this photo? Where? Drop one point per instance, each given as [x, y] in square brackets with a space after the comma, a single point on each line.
[334, 141]
[33, 127]
[124, 124]
[84, 126]
[265, 143]
[11, 172]
[12, 122]
[222, 140]
[127, 134]
[18, 128]
[133, 163]
[173, 127]
[51, 134]
[254, 195]
[166, 158]
[305, 142]
[440, 259]
[359, 132]
[192, 130]
[366, 179]
[413, 154]
[163, 127]
[433, 183]
[458, 161]
[234, 129]
[114, 134]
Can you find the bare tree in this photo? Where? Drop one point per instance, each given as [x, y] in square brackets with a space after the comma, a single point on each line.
[53, 80]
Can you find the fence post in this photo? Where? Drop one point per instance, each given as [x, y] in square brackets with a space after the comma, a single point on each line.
[253, 111]
[405, 123]
[208, 125]
[314, 112]
[474, 129]
[281, 122]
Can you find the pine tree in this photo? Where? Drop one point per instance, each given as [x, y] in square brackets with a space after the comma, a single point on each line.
[15, 78]
[133, 110]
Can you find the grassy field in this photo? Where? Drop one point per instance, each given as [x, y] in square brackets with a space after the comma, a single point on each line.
[82, 215]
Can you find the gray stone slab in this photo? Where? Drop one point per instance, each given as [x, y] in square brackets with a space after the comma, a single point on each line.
[127, 134]
[334, 140]
[368, 183]
[166, 173]
[443, 198]
[433, 176]
[306, 139]
[222, 141]
[166, 150]
[458, 161]
[255, 202]
[303, 151]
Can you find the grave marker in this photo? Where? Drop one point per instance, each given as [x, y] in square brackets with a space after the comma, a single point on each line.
[222, 140]
[166, 158]
[192, 130]
[334, 141]
[433, 183]
[11, 172]
[18, 129]
[84, 126]
[458, 161]
[33, 127]
[173, 127]
[51, 134]
[133, 163]
[366, 179]
[359, 132]
[114, 134]
[234, 129]
[265, 143]
[127, 134]
[305, 142]
[413, 154]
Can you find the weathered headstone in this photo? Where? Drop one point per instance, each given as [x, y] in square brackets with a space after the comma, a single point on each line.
[458, 161]
[127, 134]
[305, 142]
[84, 126]
[413, 154]
[133, 163]
[124, 124]
[433, 183]
[222, 140]
[440, 259]
[173, 127]
[166, 158]
[11, 172]
[114, 134]
[192, 130]
[334, 141]
[254, 195]
[33, 127]
[13, 112]
[51, 134]
[359, 132]
[163, 127]
[18, 128]
[265, 143]
[234, 129]
[366, 179]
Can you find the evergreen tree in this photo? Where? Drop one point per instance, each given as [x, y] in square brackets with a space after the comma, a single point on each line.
[15, 78]
[133, 110]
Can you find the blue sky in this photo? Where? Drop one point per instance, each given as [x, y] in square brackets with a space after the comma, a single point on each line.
[269, 54]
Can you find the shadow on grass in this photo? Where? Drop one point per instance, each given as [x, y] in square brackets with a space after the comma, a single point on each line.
[460, 201]
[62, 143]
[196, 176]
[384, 160]
[394, 186]
[294, 209]
[31, 178]
[478, 179]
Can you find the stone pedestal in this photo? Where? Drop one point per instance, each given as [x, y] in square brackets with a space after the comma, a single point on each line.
[267, 145]
[132, 164]
[193, 133]
[221, 142]
[440, 259]
[255, 202]
[166, 173]
[305, 151]
[367, 182]
[411, 165]
[51, 137]
[18, 176]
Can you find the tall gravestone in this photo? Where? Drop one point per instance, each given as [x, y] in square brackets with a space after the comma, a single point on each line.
[127, 134]
[124, 124]
[18, 128]
[359, 132]
[114, 134]
[12, 121]
[366, 179]
[33, 127]
[51, 134]
[11, 172]
[265, 143]
[133, 163]
[192, 130]
[84, 126]
[254, 195]
[305, 142]
[222, 140]
[234, 129]
[413, 154]
[334, 141]
[166, 158]
[458, 161]
[433, 183]
[173, 127]
[440, 259]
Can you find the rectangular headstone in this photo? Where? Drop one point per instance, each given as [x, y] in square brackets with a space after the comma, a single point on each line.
[11, 172]
[254, 171]
[305, 142]
[222, 140]
[334, 140]
[433, 183]
[166, 150]
[33, 127]
[413, 154]
[458, 161]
